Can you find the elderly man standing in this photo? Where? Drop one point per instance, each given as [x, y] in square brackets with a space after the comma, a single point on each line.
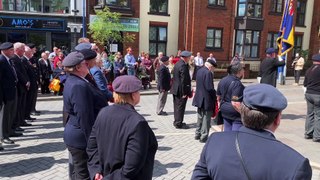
[164, 84]
[8, 85]
[269, 68]
[181, 89]
[204, 100]
[253, 152]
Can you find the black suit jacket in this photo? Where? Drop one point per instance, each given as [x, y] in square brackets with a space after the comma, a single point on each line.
[31, 71]
[264, 157]
[269, 69]
[9, 81]
[1, 94]
[22, 74]
[181, 79]
[164, 79]
[205, 96]
[129, 150]
[45, 69]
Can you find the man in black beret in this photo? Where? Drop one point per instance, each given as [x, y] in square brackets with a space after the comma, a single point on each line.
[90, 57]
[253, 152]
[269, 68]
[8, 85]
[204, 99]
[163, 86]
[181, 89]
[311, 82]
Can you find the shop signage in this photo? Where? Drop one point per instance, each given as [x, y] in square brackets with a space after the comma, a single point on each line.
[129, 24]
[40, 24]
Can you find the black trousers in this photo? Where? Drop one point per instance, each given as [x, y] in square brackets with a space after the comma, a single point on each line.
[297, 74]
[179, 107]
[31, 100]
[9, 113]
[21, 109]
[45, 86]
[80, 159]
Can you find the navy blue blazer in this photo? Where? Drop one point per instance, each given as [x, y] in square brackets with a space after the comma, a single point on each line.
[121, 145]
[269, 69]
[164, 79]
[264, 157]
[82, 101]
[9, 80]
[181, 85]
[205, 96]
[101, 82]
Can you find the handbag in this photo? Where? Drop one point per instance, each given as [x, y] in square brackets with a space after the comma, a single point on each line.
[54, 85]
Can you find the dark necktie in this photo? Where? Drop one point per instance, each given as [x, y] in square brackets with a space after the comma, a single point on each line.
[13, 70]
[91, 80]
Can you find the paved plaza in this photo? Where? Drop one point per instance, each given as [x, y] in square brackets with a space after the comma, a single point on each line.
[41, 153]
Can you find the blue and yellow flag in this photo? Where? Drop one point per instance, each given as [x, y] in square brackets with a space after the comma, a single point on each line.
[285, 39]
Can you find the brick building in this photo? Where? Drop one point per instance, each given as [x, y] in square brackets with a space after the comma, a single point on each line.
[244, 27]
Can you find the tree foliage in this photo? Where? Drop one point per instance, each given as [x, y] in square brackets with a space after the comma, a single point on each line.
[106, 28]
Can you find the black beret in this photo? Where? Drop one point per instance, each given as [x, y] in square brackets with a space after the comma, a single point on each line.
[185, 54]
[316, 57]
[212, 62]
[126, 84]
[88, 54]
[6, 45]
[74, 58]
[31, 45]
[264, 97]
[83, 46]
[164, 58]
[270, 50]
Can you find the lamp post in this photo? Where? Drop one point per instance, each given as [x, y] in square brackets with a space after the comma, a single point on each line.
[84, 26]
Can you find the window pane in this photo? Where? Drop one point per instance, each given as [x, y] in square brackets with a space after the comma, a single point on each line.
[210, 33]
[254, 51]
[209, 42]
[162, 34]
[56, 6]
[163, 7]
[218, 34]
[247, 51]
[21, 5]
[162, 48]
[153, 49]
[242, 1]
[217, 43]
[257, 10]
[221, 2]
[269, 40]
[123, 3]
[275, 41]
[239, 37]
[153, 33]
[212, 2]
[239, 49]
[256, 37]
[279, 6]
[248, 37]
[153, 6]
[241, 10]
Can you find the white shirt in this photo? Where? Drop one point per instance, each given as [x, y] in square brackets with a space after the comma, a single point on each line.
[198, 61]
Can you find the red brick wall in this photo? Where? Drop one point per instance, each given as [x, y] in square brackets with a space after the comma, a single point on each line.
[314, 38]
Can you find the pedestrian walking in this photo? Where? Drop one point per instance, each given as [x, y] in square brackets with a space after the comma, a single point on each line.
[253, 152]
[181, 89]
[129, 150]
[164, 85]
[204, 99]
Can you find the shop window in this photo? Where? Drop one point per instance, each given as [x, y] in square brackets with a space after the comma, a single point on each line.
[159, 6]
[118, 3]
[297, 44]
[52, 6]
[250, 8]
[301, 12]
[247, 43]
[276, 6]
[216, 2]
[272, 40]
[214, 38]
[157, 40]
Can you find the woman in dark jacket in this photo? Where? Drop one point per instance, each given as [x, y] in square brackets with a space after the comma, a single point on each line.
[82, 101]
[122, 145]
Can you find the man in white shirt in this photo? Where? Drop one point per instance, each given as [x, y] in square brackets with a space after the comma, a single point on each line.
[198, 61]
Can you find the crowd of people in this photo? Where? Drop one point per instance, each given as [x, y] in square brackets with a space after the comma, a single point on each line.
[90, 80]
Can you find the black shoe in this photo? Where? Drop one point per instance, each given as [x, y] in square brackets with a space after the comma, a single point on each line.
[35, 114]
[315, 140]
[203, 140]
[197, 137]
[7, 141]
[308, 137]
[16, 134]
[1, 148]
[162, 113]
[31, 118]
[183, 126]
[19, 129]
[26, 124]
[38, 112]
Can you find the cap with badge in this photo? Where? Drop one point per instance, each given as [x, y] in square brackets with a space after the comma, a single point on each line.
[83, 46]
[270, 50]
[74, 58]
[6, 45]
[164, 58]
[185, 54]
[316, 57]
[126, 84]
[212, 62]
[264, 97]
[88, 54]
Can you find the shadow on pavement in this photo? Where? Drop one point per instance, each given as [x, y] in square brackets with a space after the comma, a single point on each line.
[46, 112]
[28, 166]
[144, 115]
[186, 112]
[292, 117]
[50, 135]
[37, 149]
[163, 148]
[161, 169]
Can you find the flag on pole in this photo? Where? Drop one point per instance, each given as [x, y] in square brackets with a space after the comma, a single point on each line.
[285, 39]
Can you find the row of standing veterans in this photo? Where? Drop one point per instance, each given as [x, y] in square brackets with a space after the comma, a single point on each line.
[18, 89]
[130, 153]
